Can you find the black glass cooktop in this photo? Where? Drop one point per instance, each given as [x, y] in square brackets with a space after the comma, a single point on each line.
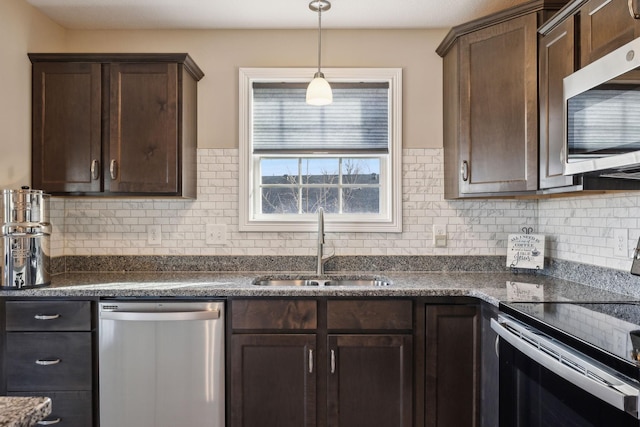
[608, 332]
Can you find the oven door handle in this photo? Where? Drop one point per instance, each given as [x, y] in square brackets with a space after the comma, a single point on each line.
[567, 363]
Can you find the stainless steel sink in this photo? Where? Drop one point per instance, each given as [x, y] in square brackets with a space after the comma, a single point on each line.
[361, 282]
[285, 282]
[323, 281]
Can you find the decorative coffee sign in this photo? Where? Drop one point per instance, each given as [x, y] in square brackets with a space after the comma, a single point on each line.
[525, 251]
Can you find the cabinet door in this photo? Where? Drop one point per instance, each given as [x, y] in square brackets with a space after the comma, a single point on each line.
[66, 128]
[605, 25]
[557, 60]
[143, 148]
[273, 380]
[452, 361]
[370, 380]
[499, 108]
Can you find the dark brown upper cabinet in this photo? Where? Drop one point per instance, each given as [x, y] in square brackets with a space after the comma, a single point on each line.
[580, 33]
[605, 25]
[557, 61]
[115, 124]
[491, 103]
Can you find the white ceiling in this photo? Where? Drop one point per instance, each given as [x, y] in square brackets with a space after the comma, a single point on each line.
[261, 14]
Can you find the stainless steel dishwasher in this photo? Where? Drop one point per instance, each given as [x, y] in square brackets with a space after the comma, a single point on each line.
[161, 364]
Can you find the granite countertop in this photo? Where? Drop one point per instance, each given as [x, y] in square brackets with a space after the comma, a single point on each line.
[23, 411]
[492, 287]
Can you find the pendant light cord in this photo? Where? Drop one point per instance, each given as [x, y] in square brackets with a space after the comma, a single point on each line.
[319, 35]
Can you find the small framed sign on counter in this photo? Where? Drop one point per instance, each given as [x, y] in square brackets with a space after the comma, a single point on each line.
[526, 251]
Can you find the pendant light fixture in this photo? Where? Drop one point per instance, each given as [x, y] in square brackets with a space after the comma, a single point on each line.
[319, 91]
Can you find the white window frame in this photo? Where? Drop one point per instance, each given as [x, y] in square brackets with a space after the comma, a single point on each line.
[390, 218]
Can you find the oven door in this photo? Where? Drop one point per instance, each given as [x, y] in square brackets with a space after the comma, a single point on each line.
[545, 383]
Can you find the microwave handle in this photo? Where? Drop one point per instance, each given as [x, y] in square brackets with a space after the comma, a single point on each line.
[634, 8]
[568, 364]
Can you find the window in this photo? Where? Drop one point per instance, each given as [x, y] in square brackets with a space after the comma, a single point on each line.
[344, 157]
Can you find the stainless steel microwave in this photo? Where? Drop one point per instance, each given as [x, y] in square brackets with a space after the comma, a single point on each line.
[602, 116]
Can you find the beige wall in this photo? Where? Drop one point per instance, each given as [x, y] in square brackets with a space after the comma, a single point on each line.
[24, 29]
[221, 52]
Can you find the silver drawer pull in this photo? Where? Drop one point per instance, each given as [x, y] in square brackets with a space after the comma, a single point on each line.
[49, 422]
[44, 362]
[46, 316]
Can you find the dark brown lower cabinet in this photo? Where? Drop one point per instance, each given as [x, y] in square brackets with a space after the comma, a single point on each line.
[48, 351]
[370, 380]
[452, 363]
[320, 362]
[273, 380]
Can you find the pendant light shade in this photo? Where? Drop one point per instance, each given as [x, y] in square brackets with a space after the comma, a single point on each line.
[319, 90]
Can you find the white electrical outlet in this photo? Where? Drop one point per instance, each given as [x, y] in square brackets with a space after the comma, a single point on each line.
[154, 234]
[439, 235]
[216, 234]
[620, 243]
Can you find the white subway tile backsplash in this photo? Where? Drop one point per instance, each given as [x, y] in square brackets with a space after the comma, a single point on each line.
[579, 228]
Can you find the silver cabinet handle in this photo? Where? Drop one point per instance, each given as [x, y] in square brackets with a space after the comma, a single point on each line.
[464, 170]
[497, 346]
[44, 362]
[574, 367]
[113, 169]
[49, 422]
[46, 316]
[634, 8]
[95, 169]
[310, 360]
[333, 361]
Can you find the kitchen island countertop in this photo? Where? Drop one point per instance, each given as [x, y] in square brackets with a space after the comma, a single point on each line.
[23, 411]
[492, 287]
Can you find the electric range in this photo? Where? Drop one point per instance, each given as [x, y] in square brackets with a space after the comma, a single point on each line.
[606, 331]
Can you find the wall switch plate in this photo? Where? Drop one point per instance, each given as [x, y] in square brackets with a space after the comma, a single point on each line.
[440, 235]
[621, 243]
[216, 234]
[154, 234]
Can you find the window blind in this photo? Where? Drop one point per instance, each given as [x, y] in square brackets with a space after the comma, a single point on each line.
[356, 121]
[604, 121]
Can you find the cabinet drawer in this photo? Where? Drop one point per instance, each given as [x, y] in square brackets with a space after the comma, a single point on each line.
[369, 314]
[48, 315]
[274, 314]
[40, 361]
[72, 408]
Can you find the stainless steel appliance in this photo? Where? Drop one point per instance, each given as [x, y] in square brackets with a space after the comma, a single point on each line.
[569, 364]
[25, 239]
[161, 364]
[602, 116]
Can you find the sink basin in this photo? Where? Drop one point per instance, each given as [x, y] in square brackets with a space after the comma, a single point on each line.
[323, 281]
[367, 282]
[285, 282]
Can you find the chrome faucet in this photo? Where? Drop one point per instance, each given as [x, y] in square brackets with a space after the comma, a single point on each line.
[321, 260]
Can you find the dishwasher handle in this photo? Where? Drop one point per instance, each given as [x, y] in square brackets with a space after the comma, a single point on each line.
[159, 316]
[569, 365]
